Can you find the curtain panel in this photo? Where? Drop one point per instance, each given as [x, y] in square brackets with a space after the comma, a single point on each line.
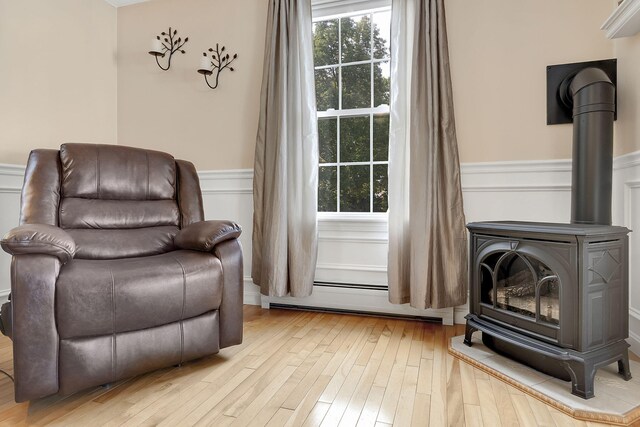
[427, 265]
[285, 181]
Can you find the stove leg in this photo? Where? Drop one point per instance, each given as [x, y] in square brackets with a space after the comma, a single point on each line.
[582, 378]
[623, 366]
[468, 331]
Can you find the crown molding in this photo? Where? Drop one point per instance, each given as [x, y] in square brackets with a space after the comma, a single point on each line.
[624, 21]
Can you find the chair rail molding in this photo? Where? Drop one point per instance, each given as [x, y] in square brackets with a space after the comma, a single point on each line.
[11, 178]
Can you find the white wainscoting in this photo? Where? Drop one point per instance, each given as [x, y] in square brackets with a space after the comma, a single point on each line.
[517, 190]
[11, 177]
[353, 248]
[626, 211]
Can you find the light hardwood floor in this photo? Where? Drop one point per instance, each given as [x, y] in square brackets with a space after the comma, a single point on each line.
[298, 368]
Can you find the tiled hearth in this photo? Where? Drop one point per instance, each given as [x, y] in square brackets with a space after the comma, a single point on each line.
[615, 401]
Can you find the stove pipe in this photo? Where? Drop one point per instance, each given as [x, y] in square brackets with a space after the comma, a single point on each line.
[592, 95]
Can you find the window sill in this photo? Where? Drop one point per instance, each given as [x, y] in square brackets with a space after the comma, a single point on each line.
[360, 217]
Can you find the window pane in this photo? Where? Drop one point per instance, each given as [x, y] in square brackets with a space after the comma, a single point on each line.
[380, 137]
[327, 89]
[354, 188]
[343, 84]
[381, 34]
[380, 188]
[356, 86]
[325, 42]
[327, 140]
[381, 80]
[354, 139]
[356, 38]
[327, 185]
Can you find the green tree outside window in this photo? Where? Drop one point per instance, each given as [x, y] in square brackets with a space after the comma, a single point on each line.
[353, 146]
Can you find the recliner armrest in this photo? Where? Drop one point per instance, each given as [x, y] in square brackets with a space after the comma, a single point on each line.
[42, 239]
[205, 235]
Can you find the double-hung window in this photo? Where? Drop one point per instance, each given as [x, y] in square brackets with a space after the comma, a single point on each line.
[351, 59]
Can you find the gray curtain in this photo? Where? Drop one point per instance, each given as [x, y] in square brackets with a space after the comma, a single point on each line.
[285, 179]
[427, 236]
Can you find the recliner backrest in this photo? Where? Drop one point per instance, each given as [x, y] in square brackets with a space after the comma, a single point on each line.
[115, 201]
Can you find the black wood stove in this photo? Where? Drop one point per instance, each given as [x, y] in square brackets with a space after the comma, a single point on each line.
[555, 296]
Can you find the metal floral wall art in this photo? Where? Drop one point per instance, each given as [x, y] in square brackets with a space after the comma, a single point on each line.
[214, 62]
[167, 43]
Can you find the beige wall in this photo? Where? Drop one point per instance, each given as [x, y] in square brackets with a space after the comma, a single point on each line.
[174, 110]
[627, 130]
[57, 74]
[499, 50]
[499, 53]
[60, 81]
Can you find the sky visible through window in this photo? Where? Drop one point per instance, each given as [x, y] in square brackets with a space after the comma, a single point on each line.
[351, 55]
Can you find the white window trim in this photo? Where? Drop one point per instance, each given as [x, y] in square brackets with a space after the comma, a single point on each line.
[325, 9]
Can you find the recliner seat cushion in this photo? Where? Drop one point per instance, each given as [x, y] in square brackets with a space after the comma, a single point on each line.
[100, 297]
[127, 243]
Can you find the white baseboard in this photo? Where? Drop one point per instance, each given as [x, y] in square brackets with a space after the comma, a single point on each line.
[459, 313]
[375, 301]
[252, 294]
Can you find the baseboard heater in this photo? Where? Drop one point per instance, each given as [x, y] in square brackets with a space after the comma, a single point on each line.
[351, 286]
[355, 312]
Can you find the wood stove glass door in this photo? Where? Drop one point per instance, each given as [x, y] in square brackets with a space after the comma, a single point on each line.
[521, 284]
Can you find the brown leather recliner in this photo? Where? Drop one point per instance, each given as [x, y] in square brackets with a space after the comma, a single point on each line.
[114, 270]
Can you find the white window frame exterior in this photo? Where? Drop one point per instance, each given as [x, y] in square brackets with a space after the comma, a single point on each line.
[324, 10]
